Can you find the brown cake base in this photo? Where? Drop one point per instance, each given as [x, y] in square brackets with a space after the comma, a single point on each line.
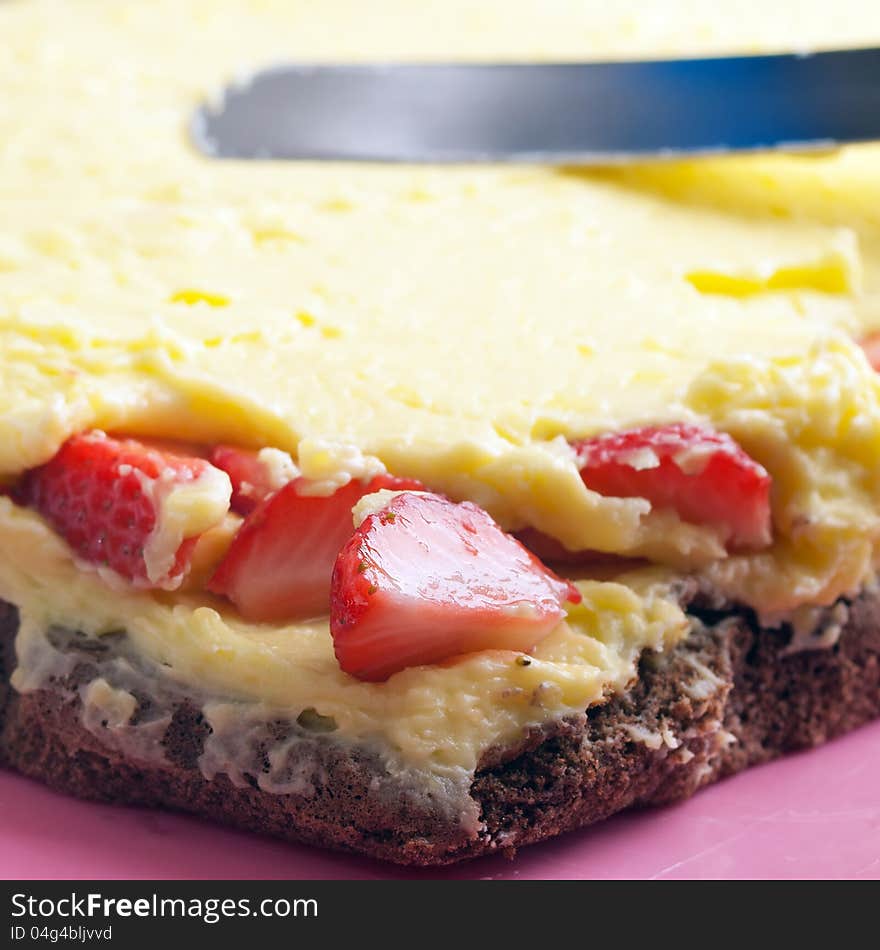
[732, 695]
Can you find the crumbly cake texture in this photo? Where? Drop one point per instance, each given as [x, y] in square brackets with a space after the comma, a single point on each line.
[731, 695]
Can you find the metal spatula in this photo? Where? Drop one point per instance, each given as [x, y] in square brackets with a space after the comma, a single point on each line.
[554, 113]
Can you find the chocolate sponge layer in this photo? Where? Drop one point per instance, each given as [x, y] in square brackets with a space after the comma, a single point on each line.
[731, 695]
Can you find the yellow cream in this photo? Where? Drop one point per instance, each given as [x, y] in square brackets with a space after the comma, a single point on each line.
[439, 718]
[457, 324]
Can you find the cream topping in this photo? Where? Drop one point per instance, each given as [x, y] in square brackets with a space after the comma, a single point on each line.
[455, 325]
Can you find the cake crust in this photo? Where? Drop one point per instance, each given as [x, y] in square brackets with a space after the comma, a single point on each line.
[731, 695]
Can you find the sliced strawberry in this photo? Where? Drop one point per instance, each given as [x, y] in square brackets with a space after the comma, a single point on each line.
[132, 508]
[279, 564]
[252, 477]
[871, 346]
[425, 579]
[551, 551]
[701, 474]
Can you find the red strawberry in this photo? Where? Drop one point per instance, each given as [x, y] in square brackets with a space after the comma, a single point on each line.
[425, 579]
[127, 506]
[251, 476]
[552, 551]
[701, 474]
[871, 346]
[279, 564]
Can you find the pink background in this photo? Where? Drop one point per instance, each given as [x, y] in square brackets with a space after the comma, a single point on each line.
[815, 815]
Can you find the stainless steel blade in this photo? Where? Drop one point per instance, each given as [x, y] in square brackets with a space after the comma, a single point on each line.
[554, 113]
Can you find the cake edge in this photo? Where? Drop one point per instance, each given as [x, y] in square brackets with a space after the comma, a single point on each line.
[731, 695]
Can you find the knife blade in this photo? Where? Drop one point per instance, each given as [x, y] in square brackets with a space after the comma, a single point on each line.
[556, 113]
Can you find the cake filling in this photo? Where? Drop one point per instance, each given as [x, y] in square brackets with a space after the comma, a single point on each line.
[483, 334]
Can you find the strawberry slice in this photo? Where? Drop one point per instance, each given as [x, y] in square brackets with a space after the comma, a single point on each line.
[552, 551]
[701, 474]
[871, 346]
[279, 564]
[129, 507]
[424, 579]
[253, 474]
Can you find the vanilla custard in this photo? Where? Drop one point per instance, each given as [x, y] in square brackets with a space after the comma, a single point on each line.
[458, 325]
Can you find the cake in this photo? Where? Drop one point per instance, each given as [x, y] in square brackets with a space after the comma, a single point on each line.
[422, 511]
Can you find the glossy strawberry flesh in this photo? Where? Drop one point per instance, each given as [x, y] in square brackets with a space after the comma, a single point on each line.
[250, 478]
[702, 475]
[426, 579]
[552, 551]
[279, 564]
[96, 493]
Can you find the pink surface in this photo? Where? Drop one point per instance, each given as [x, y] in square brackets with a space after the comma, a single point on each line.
[815, 815]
